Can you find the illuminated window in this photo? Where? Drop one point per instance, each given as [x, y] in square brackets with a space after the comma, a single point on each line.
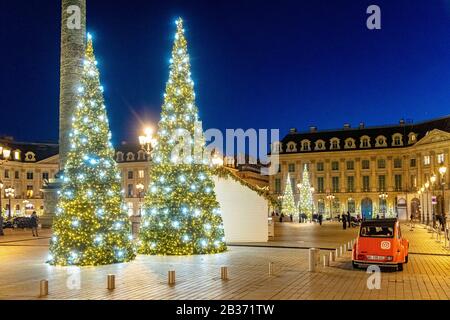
[30, 191]
[427, 160]
[141, 174]
[440, 158]
[17, 155]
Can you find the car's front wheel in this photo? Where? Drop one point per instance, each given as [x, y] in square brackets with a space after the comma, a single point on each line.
[406, 259]
[355, 265]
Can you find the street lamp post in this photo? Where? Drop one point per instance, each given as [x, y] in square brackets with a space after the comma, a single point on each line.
[443, 171]
[1, 196]
[427, 185]
[433, 208]
[330, 198]
[5, 153]
[140, 189]
[383, 196]
[9, 192]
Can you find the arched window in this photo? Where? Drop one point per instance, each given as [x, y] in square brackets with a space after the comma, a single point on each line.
[334, 142]
[365, 142]
[412, 138]
[306, 145]
[397, 140]
[276, 147]
[141, 155]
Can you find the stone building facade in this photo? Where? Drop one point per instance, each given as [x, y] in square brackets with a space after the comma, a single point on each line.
[355, 169]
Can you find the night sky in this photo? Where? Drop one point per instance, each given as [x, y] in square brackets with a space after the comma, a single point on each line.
[256, 64]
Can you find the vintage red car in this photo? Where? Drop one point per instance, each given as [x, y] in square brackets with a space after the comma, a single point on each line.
[380, 242]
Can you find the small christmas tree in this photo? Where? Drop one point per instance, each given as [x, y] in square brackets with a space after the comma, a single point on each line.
[306, 202]
[181, 214]
[288, 206]
[91, 226]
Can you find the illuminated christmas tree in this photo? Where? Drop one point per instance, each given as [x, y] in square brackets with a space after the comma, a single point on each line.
[288, 206]
[91, 226]
[306, 202]
[181, 214]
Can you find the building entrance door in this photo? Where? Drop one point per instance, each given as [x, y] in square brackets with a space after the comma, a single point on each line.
[366, 208]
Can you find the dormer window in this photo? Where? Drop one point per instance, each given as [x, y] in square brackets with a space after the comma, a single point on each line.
[334, 144]
[381, 141]
[365, 142]
[30, 157]
[397, 140]
[350, 143]
[320, 145]
[130, 156]
[306, 145]
[16, 155]
[291, 147]
[276, 147]
[141, 155]
[412, 138]
[119, 157]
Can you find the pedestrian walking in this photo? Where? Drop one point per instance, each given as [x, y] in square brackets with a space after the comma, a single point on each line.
[34, 224]
[344, 222]
[1, 223]
[320, 218]
[281, 217]
[349, 219]
[291, 217]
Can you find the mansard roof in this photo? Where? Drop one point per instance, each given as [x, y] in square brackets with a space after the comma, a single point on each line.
[404, 128]
[41, 151]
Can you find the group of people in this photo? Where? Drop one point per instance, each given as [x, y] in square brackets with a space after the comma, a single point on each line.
[34, 223]
[347, 220]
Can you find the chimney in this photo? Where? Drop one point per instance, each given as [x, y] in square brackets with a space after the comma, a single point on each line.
[293, 130]
[361, 125]
[347, 126]
[313, 129]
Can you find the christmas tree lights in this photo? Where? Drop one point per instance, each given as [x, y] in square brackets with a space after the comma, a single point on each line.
[181, 215]
[306, 202]
[91, 226]
[288, 206]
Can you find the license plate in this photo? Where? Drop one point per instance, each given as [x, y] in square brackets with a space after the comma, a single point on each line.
[376, 258]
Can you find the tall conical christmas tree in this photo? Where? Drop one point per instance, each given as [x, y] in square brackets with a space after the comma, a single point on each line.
[181, 214]
[91, 226]
[306, 202]
[288, 206]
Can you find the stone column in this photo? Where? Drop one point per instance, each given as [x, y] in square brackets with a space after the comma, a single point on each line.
[73, 43]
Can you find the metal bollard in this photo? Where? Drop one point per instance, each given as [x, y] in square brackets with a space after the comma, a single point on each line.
[44, 288]
[326, 260]
[313, 252]
[332, 256]
[111, 282]
[271, 271]
[224, 273]
[171, 276]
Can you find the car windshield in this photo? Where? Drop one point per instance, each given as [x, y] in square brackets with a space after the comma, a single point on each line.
[377, 231]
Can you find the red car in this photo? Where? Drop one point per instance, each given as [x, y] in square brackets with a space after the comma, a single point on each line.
[380, 242]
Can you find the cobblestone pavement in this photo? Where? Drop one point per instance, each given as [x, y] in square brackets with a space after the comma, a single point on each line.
[426, 276]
